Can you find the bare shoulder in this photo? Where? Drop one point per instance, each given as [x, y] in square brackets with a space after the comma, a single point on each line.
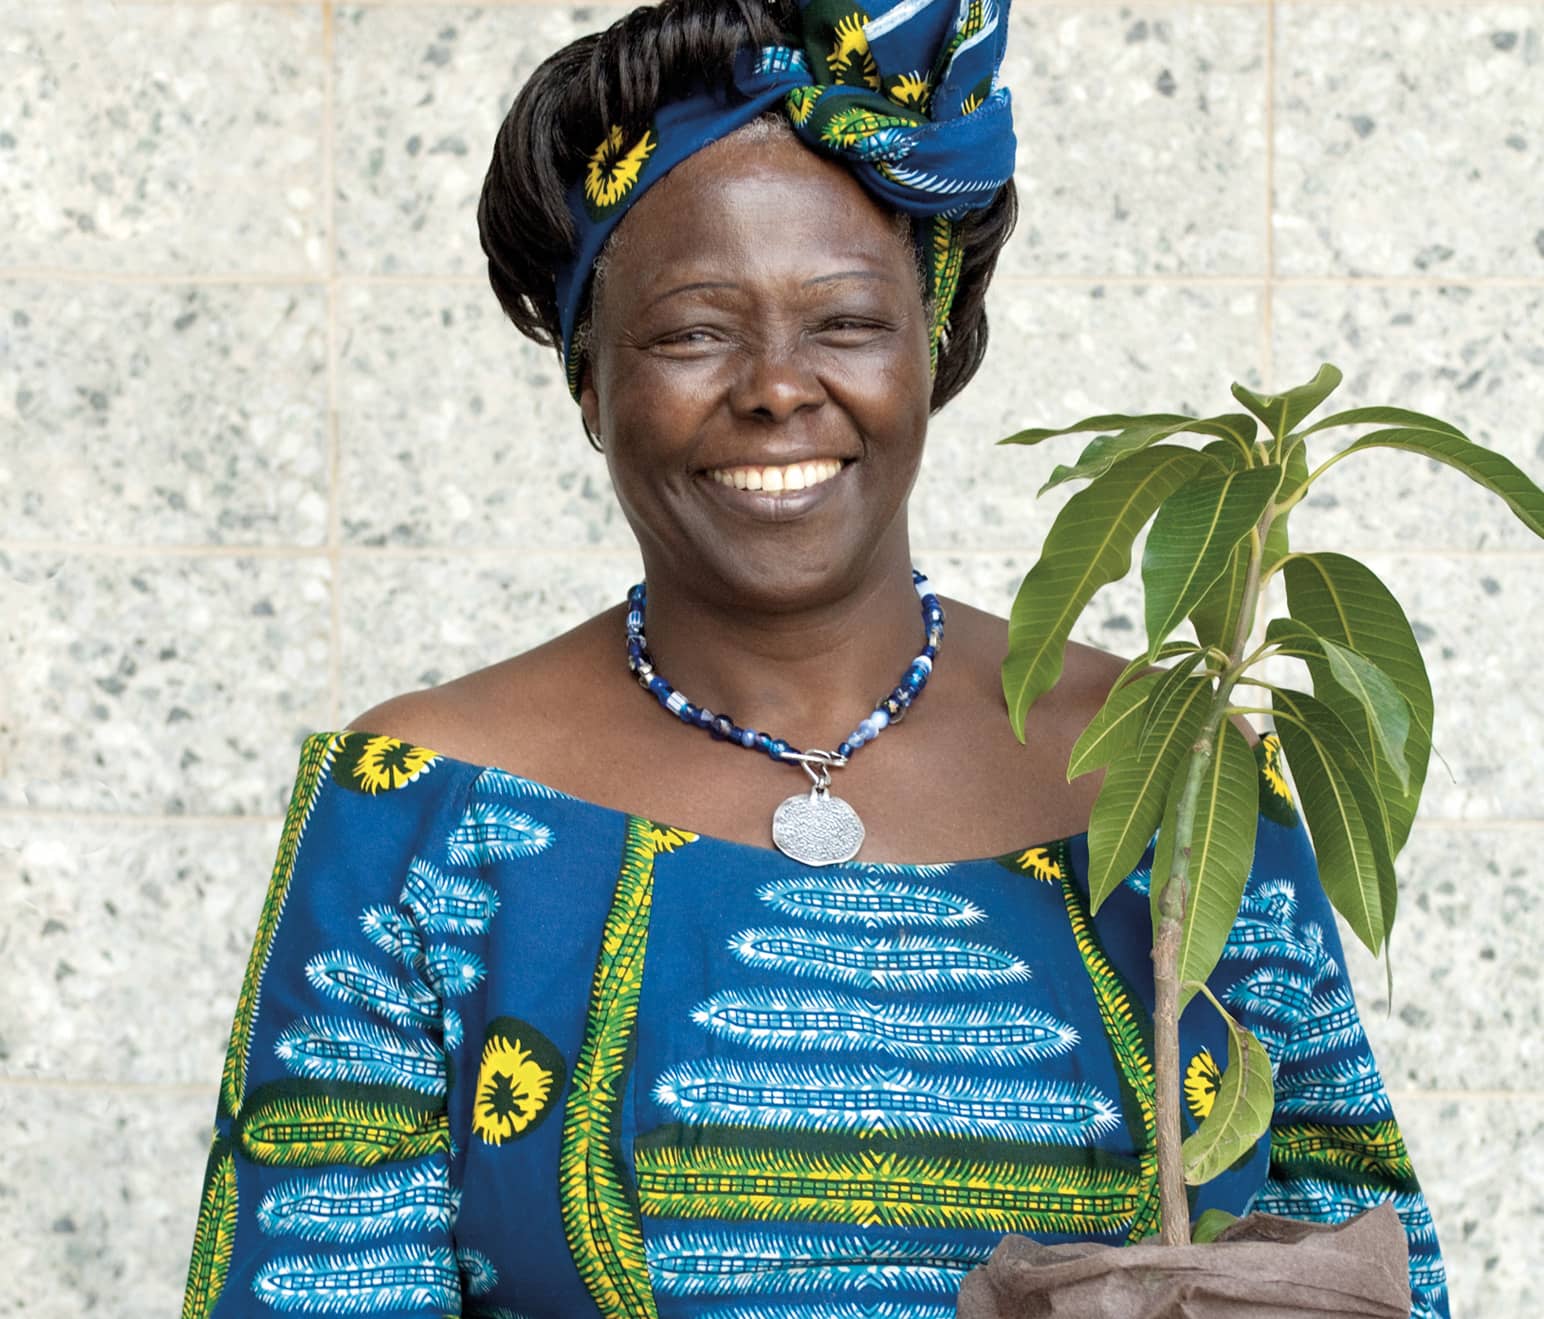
[510, 713]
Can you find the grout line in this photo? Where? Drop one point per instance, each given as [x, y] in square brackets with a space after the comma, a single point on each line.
[66, 815]
[1267, 301]
[148, 1087]
[334, 489]
[431, 280]
[89, 549]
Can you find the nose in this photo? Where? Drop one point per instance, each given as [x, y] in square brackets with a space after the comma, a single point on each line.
[774, 383]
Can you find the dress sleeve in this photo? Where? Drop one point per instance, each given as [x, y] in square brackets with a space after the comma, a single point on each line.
[328, 1186]
[1335, 1147]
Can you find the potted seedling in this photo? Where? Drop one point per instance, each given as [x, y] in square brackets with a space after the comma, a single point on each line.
[1177, 764]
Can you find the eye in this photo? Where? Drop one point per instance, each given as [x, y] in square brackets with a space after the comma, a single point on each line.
[851, 330]
[688, 341]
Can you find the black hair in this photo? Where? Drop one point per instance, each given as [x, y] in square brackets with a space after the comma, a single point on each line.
[649, 57]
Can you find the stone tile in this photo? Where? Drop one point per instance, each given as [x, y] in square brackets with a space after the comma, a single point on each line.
[99, 1190]
[1473, 1155]
[1479, 627]
[1141, 139]
[1112, 621]
[162, 683]
[420, 94]
[164, 413]
[127, 945]
[1407, 139]
[1055, 356]
[1470, 356]
[1468, 998]
[411, 621]
[456, 431]
[162, 137]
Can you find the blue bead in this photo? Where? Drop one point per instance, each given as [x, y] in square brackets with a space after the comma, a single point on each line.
[688, 713]
[778, 747]
[846, 749]
[856, 739]
[867, 729]
[748, 738]
[929, 651]
[880, 719]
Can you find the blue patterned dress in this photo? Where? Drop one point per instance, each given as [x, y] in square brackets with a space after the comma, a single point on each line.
[502, 1052]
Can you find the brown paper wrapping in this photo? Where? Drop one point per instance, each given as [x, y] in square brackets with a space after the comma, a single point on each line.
[1262, 1267]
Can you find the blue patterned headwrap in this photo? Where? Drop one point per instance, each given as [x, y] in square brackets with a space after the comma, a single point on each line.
[902, 92]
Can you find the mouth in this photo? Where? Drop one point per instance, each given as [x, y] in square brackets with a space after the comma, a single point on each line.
[777, 479]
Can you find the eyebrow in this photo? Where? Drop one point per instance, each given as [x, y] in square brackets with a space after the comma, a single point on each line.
[700, 286]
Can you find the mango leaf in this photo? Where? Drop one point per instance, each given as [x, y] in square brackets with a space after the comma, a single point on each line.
[1241, 1109]
[1216, 614]
[1343, 601]
[1210, 1225]
[1222, 844]
[1281, 412]
[1110, 422]
[1484, 466]
[1142, 665]
[1386, 712]
[1294, 476]
[1340, 805]
[1193, 537]
[1171, 687]
[1130, 804]
[1088, 546]
[1114, 729]
[1101, 455]
[1381, 416]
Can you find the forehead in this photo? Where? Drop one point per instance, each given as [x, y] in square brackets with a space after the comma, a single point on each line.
[758, 204]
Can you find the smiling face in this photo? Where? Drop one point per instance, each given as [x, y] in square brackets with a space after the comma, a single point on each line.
[758, 370]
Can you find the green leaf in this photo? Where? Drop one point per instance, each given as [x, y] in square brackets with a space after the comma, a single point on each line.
[1193, 537]
[1241, 1109]
[1110, 422]
[1216, 614]
[1384, 417]
[1114, 729]
[1142, 664]
[1103, 453]
[1294, 477]
[1088, 547]
[1222, 844]
[1343, 601]
[1212, 1224]
[1342, 809]
[1484, 466]
[1130, 804]
[1281, 412]
[1386, 713]
[1172, 683]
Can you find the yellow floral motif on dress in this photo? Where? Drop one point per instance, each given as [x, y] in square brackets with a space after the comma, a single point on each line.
[1039, 863]
[612, 172]
[801, 103]
[850, 60]
[512, 1090]
[911, 90]
[387, 763]
[1271, 745]
[664, 839]
[1202, 1079]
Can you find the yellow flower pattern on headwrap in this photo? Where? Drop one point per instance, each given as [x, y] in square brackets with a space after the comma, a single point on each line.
[612, 172]
[911, 90]
[850, 61]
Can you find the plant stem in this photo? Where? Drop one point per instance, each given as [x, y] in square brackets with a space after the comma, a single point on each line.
[1174, 1208]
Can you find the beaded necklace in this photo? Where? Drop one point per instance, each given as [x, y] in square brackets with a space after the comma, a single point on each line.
[819, 829]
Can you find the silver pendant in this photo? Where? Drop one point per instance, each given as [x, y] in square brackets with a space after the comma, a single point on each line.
[817, 828]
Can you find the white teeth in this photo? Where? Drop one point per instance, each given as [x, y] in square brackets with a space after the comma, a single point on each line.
[793, 476]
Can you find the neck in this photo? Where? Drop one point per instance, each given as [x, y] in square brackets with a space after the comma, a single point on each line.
[807, 675]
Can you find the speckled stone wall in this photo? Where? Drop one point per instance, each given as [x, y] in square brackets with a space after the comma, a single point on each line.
[268, 454]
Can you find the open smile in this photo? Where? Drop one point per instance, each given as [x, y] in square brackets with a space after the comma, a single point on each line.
[777, 479]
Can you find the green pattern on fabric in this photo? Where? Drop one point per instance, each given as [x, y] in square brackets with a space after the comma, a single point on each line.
[315, 758]
[215, 1235]
[305, 1125]
[1365, 1154]
[870, 1188]
[600, 1211]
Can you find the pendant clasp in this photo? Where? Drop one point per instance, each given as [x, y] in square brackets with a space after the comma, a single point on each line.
[818, 765]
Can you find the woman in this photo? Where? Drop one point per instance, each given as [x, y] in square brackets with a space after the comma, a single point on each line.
[582, 1011]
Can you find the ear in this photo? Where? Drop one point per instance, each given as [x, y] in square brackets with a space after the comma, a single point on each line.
[589, 401]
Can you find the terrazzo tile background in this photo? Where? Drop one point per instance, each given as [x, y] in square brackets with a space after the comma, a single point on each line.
[268, 454]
